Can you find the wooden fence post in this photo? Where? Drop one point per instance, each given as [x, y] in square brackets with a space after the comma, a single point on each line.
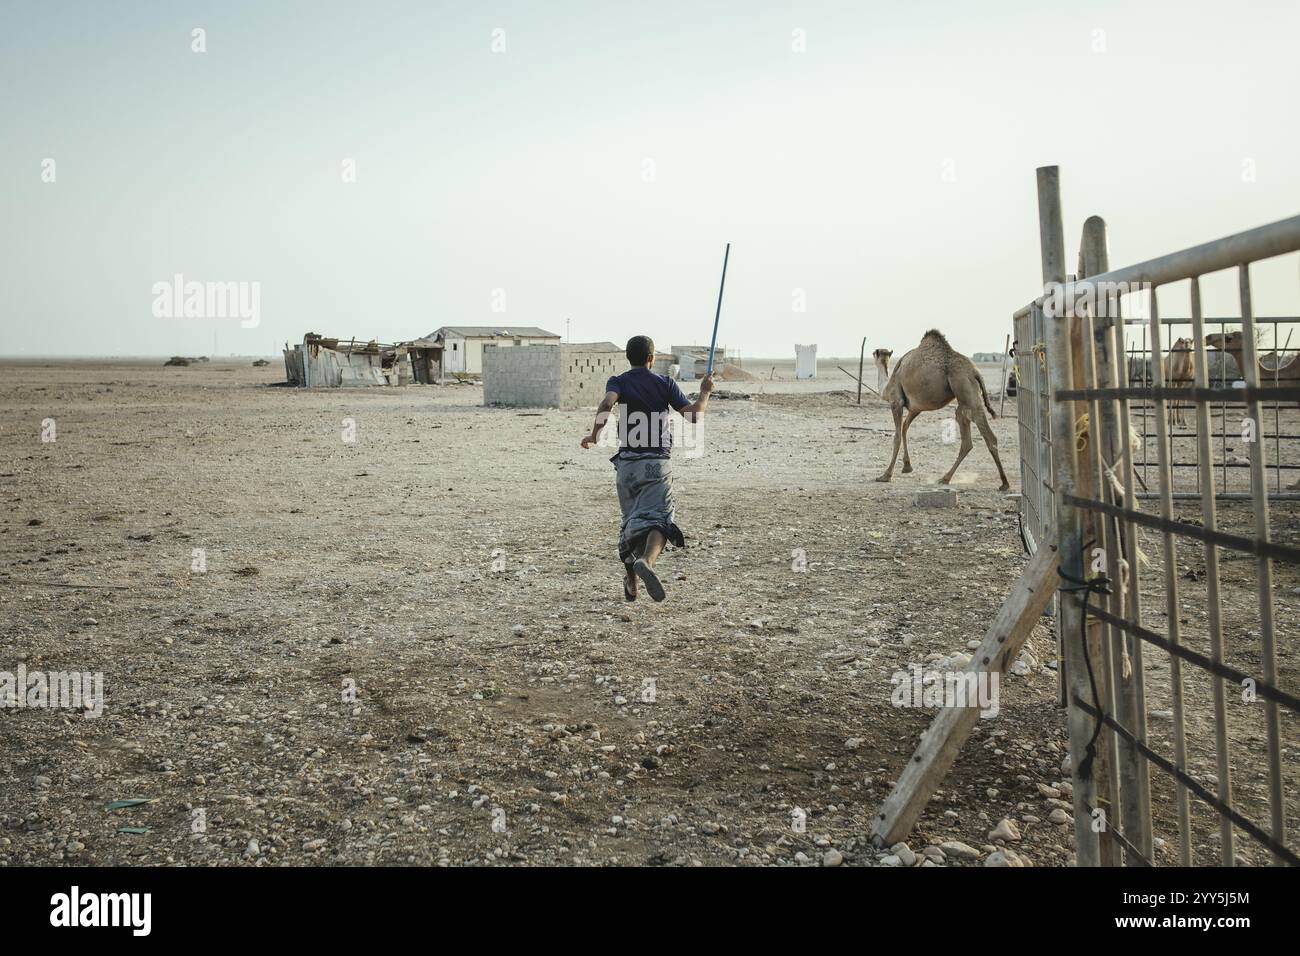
[1081, 656]
[862, 354]
[1130, 784]
[1006, 354]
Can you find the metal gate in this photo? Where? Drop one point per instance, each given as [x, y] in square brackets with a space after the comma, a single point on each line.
[1160, 676]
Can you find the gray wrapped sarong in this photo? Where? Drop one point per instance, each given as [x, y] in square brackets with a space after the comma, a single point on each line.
[645, 495]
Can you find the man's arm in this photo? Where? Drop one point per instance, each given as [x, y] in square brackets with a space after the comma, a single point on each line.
[697, 408]
[602, 416]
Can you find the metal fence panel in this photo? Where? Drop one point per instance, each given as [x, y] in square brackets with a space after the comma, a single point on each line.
[1096, 402]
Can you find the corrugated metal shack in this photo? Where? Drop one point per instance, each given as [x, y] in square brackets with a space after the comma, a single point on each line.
[321, 361]
[426, 360]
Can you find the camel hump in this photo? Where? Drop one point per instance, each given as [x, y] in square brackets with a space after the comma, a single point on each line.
[937, 338]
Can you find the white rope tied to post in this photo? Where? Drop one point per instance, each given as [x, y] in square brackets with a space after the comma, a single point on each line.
[1081, 425]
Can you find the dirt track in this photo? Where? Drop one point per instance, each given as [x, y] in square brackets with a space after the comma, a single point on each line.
[456, 565]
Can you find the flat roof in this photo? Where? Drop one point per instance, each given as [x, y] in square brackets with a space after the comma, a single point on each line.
[494, 331]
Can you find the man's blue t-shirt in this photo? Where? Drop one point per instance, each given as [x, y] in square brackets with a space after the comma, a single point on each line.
[645, 430]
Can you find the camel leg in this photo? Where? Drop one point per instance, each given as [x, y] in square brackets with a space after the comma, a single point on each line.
[970, 405]
[899, 427]
[898, 432]
[991, 440]
[964, 450]
[907, 459]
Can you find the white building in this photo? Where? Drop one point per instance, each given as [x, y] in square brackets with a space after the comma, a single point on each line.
[805, 361]
[462, 345]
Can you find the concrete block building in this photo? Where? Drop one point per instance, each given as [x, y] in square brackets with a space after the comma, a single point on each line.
[527, 377]
[585, 368]
[549, 376]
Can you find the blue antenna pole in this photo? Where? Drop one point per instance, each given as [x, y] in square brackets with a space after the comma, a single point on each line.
[718, 314]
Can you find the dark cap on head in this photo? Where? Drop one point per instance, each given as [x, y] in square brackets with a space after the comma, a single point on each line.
[639, 349]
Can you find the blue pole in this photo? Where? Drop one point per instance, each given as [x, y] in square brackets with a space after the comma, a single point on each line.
[718, 314]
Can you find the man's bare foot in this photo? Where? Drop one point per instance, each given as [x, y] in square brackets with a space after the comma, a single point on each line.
[649, 579]
[629, 587]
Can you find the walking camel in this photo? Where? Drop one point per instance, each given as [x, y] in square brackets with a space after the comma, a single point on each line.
[881, 357]
[1287, 373]
[1178, 374]
[926, 379]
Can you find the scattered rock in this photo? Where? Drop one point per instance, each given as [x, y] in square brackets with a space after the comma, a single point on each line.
[940, 498]
[961, 851]
[1006, 831]
[1004, 857]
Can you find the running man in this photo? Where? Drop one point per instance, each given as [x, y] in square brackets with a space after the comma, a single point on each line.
[643, 468]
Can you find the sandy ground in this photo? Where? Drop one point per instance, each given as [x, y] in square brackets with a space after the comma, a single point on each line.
[402, 654]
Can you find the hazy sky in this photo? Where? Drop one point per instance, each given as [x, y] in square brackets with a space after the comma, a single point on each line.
[594, 168]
